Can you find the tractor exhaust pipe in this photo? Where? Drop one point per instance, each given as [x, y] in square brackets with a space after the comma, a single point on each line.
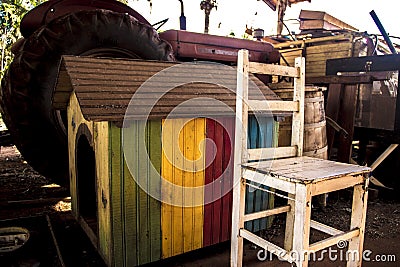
[182, 18]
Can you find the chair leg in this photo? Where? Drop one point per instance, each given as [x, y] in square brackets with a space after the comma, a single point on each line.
[358, 217]
[301, 227]
[238, 210]
[288, 245]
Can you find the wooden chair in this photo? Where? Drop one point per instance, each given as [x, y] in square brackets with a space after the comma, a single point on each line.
[286, 170]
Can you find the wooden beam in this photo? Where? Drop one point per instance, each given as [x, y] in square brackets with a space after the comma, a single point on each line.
[53, 236]
[325, 228]
[334, 240]
[289, 227]
[332, 111]
[272, 153]
[332, 185]
[269, 180]
[301, 224]
[314, 40]
[40, 201]
[240, 156]
[363, 64]
[271, 106]
[312, 16]
[376, 182]
[383, 156]
[346, 119]
[298, 117]
[352, 79]
[279, 70]
[358, 218]
[266, 213]
[280, 252]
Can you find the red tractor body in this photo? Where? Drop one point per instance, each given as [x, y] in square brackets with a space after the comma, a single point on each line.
[189, 45]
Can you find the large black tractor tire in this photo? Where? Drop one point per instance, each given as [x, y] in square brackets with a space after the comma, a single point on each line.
[38, 130]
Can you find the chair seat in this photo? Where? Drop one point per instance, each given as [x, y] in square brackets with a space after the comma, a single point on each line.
[305, 169]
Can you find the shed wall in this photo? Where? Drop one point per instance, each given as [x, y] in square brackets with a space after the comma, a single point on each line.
[135, 228]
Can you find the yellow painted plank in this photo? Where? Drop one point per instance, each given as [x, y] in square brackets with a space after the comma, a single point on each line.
[183, 165]
[176, 162]
[190, 140]
[101, 143]
[199, 178]
[167, 211]
[71, 154]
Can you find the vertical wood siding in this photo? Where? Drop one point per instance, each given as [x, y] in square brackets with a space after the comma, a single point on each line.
[262, 133]
[142, 229]
[182, 227]
[101, 148]
[218, 214]
[136, 215]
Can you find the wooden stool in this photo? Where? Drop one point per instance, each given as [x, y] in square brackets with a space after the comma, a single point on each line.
[299, 178]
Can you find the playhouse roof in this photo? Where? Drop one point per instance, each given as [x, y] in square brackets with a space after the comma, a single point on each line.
[104, 87]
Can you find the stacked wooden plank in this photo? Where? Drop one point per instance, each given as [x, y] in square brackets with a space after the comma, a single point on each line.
[319, 20]
[323, 37]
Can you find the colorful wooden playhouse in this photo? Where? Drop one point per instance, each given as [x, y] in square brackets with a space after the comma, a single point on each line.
[112, 199]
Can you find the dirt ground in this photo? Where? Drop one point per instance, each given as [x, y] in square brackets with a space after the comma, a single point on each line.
[19, 183]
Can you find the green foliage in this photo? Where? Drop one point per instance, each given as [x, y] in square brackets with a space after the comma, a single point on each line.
[11, 13]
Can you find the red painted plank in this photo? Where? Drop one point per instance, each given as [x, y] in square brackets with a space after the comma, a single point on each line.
[217, 215]
[229, 140]
[217, 167]
[208, 208]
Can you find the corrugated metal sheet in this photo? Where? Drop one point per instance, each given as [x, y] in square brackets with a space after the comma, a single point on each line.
[104, 87]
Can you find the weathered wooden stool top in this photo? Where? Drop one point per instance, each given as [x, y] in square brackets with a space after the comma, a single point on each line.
[306, 169]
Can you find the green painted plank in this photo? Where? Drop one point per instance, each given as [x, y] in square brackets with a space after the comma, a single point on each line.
[116, 194]
[154, 149]
[142, 200]
[142, 212]
[130, 199]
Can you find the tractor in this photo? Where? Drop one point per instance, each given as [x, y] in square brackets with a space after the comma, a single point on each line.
[96, 28]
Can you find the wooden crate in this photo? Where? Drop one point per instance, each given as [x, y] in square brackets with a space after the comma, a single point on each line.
[129, 227]
[318, 50]
[319, 20]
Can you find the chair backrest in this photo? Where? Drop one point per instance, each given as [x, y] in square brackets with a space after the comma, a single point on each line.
[244, 105]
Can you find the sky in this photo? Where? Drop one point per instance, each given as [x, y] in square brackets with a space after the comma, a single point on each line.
[234, 15]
